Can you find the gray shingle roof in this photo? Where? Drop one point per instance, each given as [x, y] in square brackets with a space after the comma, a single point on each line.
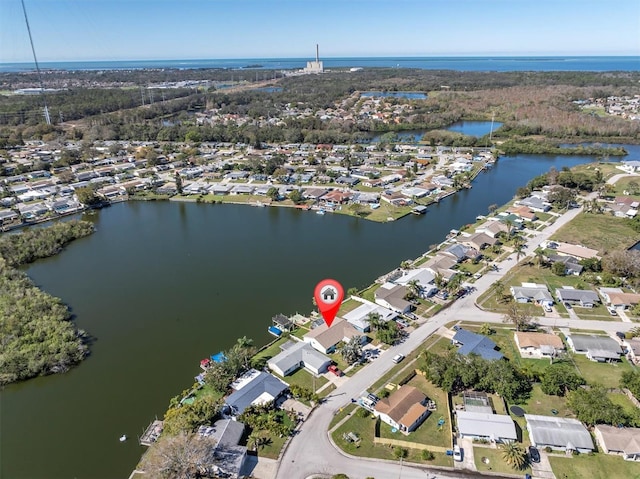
[496, 426]
[261, 384]
[558, 431]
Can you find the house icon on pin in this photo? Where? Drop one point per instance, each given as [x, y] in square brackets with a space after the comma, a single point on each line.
[329, 294]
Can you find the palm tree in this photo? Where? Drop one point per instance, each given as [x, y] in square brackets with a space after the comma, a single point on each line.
[414, 287]
[454, 283]
[498, 288]
[375, 321]
[514, 455]
[351, 350]
[509, 224]
[518, 246]
[438, 279]
[258, 439]
[540, 258]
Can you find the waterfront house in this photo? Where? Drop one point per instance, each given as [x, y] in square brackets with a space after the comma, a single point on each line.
[492, 228]
[392, 296]
[296, 355]
[558, 433]
[254, 387]
[597, 348]
[359, 317]
[219, 189]
[405, 409]
[478, 241]
[622, 441]
[283, 323]
[242, 190]
[495, 428]
[534, 203]
[538, 345]
[227, 456]
[473, 343]
[9, 218]
[584, 298]
[325, 339]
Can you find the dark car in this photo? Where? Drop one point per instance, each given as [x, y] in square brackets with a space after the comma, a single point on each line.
[621, 335]
[534, 454]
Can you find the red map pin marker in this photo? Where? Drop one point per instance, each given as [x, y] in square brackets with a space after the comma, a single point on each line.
[329, 295]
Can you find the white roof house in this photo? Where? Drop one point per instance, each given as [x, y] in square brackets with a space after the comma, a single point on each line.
[295, 355]
[596, 348]
[359, 317]
[481, 425]
[561, 433]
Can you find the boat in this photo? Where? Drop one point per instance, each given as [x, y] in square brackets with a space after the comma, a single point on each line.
[320, 212]
[275, 331]
[123, 438]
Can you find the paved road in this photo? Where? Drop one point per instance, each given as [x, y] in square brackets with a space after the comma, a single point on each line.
[311, 451]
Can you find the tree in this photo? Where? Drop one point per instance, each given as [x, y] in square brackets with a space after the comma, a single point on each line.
[518, 246]
[414, 288]
[295, 196]
[558, 268]
[540, 257]
[633, 187]
[178, 183]
[631, 381]
[499, 289]
[559, 379]
[486, 329]
[560, 196]
[273, 193]
[258, 439]
[517, 315]
[624, 263]
[492, 208]
[592, 406]
[514, 454]
[400, 452]
[184, 456]
[352, 291]
[87, 196]
[351, 351]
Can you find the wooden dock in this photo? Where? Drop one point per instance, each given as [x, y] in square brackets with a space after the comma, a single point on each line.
[152, 433]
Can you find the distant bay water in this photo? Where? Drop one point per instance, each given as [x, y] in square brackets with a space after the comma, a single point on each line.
[498, 63]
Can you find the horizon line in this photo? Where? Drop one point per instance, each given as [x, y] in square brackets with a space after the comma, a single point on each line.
[398, 57]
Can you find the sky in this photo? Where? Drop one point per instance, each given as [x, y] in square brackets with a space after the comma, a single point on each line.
[83, 30]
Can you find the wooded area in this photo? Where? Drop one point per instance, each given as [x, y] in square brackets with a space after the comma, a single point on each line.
[36, 334]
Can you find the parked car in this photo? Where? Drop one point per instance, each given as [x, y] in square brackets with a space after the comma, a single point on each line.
[612, 311]
[457, 453]
[534, 454]
[334, 369]
[621, 335]
[398, 358]
[547, 308]
[402, 323]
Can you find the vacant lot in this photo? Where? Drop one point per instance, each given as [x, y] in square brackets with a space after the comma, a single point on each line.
[599, 466]
[602, 232]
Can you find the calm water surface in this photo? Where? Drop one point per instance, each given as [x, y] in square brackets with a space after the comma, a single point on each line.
[162, 285]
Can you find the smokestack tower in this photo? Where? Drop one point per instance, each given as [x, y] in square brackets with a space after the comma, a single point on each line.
[317, 53]
[314, 66]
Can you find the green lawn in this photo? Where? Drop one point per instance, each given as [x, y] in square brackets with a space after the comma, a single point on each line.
[271, 350]
[364, 428]
[428, 432]
[305, 379]
[348, 305]
[598, 466]
[341, 414]
[542, 404]
[625, 402]
[495, 463]
[369, 293]
[607, 374]
[272, 450]
[602, 232]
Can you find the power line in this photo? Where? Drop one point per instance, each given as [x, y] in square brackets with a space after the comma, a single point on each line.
[35, 59]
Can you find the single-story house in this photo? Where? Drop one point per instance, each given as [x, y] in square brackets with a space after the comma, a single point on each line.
[391, 296]
[581, 252]
[325, 339]
[227, 456]
[596, 348]
[460, 252]
[478, 240]
[404, 409]
[481, 425]
[492, 228]
[532, 292]
[241, 189]
[624, 441]
[633, 349]
[254, 387]
[621, 300]
[584, 298]
[538, 345]
[8, 217]
[572, 265]
[534, 203]
[359, 317]
[473, 343]
[295, 355]
[559, 433]
[423, 276]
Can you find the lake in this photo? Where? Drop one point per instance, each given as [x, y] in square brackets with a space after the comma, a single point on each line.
[161, 285]
[471, 128]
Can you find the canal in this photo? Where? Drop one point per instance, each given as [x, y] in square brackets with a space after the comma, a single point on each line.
[161, 285]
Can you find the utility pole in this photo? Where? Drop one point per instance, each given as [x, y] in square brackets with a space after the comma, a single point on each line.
[35, 59]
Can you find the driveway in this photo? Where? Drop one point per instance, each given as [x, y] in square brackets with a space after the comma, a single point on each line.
[542, 469]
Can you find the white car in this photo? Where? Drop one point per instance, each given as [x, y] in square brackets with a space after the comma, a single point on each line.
[397, 358]
[457, 453]
[612, 311]
[547, 308]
